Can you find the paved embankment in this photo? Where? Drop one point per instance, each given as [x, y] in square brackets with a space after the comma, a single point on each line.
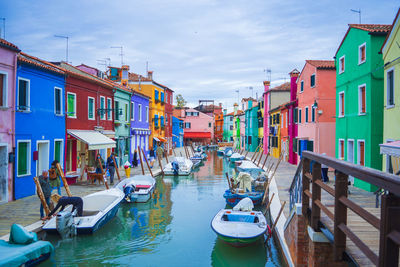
[25, 211]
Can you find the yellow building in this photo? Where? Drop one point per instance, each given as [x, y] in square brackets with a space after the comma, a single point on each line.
[275, 132]
[150, 88]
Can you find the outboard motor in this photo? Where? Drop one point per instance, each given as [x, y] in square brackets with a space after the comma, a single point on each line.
[128, 191]
[65, 224]
[175, 167]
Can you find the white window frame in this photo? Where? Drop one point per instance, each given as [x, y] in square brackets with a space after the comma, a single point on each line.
[341, 141]
[103, 114]
[387, 88]
[358, 150]
[119, 115]
[94, 107]
[132, 111]
[306, 114]
[299, 115]
[348, 141]
[147, 113]
[340, 64]
[315, 80]
[388, 157]
[140, 113]
[359, 99]
[5, 89]
[109, 106]
[61, 101]
[61, 151]
[74, 116]
[302, 86]
[359, 53]
[340, 105]
[28, 95]
[29, 157]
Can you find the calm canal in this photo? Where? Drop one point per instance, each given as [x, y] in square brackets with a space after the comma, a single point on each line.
[172, 229]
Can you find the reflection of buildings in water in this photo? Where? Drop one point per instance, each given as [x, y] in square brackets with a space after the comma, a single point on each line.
[217, 163]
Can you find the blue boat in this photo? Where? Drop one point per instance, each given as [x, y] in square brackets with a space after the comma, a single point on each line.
[233, 198]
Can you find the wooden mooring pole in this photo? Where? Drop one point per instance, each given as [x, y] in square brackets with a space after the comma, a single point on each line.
[141, 161]
[116, 168]
[41, 196]
[148, 165]
[64, 179]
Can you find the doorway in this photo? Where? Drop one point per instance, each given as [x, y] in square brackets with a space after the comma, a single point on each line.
[3, 173]
[43, 162]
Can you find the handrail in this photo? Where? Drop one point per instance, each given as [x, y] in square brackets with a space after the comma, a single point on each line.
[295, 187]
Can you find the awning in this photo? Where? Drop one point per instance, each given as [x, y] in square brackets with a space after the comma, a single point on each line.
[162, 139]
[93, 139]
[391, 148]
[157, 140]
[197, 135]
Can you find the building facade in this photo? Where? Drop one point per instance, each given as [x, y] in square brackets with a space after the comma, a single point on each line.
[359, 97]
[275, 132]
[169, 102]
[139, 127]
[177, 132]
[8, 70]
[228, 127]
[198, 126]
[219, 127]
[251, 121]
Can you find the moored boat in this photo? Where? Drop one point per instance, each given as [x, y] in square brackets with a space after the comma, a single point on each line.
[234, 197]
[138, 188]
[250, 167]
[179, 166]
[98, 209]
[236, 157]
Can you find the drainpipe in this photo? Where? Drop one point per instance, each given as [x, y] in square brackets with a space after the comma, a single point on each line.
[13, 98]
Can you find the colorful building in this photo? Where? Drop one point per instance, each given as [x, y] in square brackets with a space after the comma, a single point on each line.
[242, 121]
[284, 131]
[316, 107]
[391, 92]
[198, 126]
[139, 127]
[275, 132]
[219, 127]
[252, 141]
[260, 118]
[39, 121]
[169, 100]
[359, 96]
[228, 127]
[177, 131]
[237, 127]
[8, 70]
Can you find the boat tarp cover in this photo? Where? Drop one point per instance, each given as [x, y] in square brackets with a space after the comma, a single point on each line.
[16, 255]
[246, 204]
[236, 156]
[244, 180]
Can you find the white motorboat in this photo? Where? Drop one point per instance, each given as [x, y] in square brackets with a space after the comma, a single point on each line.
[249, 167]
[179, 166]
[98, 209]
[235, 157]
[240, 226]
[138, 188]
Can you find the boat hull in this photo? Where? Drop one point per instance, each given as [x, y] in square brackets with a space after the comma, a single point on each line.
[239, 242]
[232, 198]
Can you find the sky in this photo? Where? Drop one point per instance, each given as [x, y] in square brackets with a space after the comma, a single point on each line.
[202, 49]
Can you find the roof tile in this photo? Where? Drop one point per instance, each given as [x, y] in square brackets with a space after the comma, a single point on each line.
[322, 64]
[9, 45]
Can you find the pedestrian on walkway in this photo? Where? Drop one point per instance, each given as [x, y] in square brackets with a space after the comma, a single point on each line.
[44, 182]
[159, 151]
[99, 164]
[110, 166]
[135, 159]
[55, 177]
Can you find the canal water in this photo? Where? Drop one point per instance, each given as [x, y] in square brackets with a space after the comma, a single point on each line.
[172, 229]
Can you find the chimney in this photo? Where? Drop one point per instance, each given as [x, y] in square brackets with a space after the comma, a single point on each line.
[266, 85]
[150, 74]
[124, 75]
[293, 84]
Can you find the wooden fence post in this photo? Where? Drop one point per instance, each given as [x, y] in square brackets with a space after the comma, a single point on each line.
[306, 186]
[265, 161]
[148, 165]
[141, 161]
[116, 168]
[316, 196]
[340, 215]
[41, 196]
[64, 180]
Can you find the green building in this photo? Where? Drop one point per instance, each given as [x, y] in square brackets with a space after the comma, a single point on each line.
[251, 122]
[359, 97]
[227, 135]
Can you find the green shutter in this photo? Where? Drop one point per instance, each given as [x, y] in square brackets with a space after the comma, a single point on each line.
[57, 151]
[71, 105]
[116, 104]
[126, 112]
[90, 108]
[295, 145]
[22, 158]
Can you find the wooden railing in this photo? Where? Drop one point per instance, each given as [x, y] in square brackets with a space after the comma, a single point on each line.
[388, 225]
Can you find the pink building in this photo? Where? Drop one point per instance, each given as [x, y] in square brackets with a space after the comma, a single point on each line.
[8, 70]
[316, 91]
[266, 115]
[198, 127]
[292, 109]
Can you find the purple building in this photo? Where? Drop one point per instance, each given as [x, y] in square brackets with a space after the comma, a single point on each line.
[140, 131]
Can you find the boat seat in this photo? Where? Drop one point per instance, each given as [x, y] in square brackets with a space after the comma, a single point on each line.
[89, 213]
[240, 218]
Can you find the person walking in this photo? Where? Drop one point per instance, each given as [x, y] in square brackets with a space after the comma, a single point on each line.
[160, 151]
[135, 159]
[99, 163]
[110, 166]
[54, 176]
[44, 182]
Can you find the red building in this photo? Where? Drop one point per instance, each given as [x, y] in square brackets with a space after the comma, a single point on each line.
[89, 122]
[169, 99]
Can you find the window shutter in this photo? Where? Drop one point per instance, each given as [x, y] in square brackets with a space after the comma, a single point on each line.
[57, 151]
[22, 95]
[22, 158]
[342, 104]
[70, 103]
[2, 90]
[362, 161]
[363, 99]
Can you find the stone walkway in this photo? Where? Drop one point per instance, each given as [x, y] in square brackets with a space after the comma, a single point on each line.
[25, 211]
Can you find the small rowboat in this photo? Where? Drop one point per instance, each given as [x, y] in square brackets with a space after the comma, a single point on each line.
[233, 198]
[138, 188]
[236, 157]
[240, 226]
[179, 166]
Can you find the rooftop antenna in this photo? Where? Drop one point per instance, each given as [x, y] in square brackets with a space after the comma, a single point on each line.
[67, 38]
[237, 91]
[102, 62]
[359, 14]
[147, 67]
[122, 53]
[4, 27]
[268, 74]
[251, 88]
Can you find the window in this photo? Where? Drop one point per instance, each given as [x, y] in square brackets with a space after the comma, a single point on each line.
[390, 88]
[187, 125]
[140, 111]
[3, 89]
[312, 80]
[361, 53]
[132, 111]
[58, 150]
[249, 140]
[295, 115]
[162, 96]
[24, 157]
[277, 118]
[57, 101]
[23, 94]
[231, 127]
[171, 99]
[306, 114]
[361, 99]
[109, 107]
[299, 115]
[282, 122]
[313, 114]
[341, 104]
[117, 111]
[341, 149]
[147, 114]
[361, 152]
[156, 95]
[209, 124]
[90, 108]
[71, 105]
[156, 121]
[126, 112]
[102, 108]
[341, 64]
[302, 86]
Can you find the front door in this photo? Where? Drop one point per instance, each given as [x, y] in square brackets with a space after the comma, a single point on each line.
[43, 162]
[3, 174]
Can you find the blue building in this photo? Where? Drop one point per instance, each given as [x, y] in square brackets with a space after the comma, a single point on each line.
[39, 121]
[177, 132]
[140, 130]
